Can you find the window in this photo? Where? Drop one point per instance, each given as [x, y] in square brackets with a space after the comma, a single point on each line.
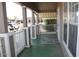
[65, 12]
[73, 19]
[74, 11]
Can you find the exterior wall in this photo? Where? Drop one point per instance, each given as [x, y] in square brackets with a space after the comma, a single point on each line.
[68, 27]
[60, 29]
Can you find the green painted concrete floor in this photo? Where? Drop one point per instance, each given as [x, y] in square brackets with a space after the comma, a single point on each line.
[42, 50]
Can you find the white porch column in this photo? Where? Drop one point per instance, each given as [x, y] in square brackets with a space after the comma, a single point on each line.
[3, 18]
[33, 19]
[25, 21]
[24, 16]
[37, 18]
[38, 30]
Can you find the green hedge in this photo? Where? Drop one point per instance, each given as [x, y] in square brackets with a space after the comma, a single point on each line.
[50, 21]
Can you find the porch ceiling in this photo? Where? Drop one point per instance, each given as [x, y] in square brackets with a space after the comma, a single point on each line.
[41, 6]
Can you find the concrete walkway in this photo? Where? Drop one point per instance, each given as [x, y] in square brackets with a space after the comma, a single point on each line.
[45, 46]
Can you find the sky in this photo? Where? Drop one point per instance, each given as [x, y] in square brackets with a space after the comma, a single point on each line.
[15, 10]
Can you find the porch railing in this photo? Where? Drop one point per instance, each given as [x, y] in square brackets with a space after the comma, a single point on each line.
[19, 41]
[11, 44]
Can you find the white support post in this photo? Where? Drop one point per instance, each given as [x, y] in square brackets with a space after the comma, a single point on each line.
[25, 24]
[24, 16]
[3, 18]
[33, 25]
[68, 19]
[58, 23]
[28, 38]
[77, 47]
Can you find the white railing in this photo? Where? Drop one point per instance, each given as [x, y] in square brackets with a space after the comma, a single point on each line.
[33, 32]
[4, 45]
[14, 43]
[37, 29]
[19, 41]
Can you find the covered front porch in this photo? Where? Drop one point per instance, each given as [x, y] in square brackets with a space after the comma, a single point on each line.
[49, 31]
